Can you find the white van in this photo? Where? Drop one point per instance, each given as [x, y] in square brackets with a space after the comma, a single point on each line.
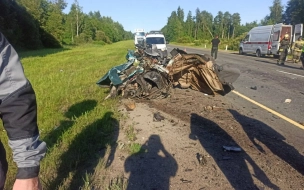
[265, 40]
[157, 38]
[139, 36]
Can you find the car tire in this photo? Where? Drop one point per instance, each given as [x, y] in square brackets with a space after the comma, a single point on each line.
[258, 53]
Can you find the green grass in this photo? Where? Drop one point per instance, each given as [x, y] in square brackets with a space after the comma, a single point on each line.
[130, 133]
[135, 148]
[73, 119]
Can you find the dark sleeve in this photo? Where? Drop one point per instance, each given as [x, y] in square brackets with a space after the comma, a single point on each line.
[18, 110]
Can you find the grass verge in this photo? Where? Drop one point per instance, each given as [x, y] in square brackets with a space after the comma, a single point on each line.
[73, 119]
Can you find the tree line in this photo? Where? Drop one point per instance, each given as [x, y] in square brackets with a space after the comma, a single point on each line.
[42, 23]
[202, 26]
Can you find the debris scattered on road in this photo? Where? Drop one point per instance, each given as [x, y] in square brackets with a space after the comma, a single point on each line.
[253, 88]
[287, 101]
[207, 108]
[232, 148]
[201, 159]
[121, 145]
[216, 108]
[188, 170]
[130, 106]
[185, 181]
[158, 117]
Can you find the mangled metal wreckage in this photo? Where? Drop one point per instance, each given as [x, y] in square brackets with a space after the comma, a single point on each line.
[150, 73]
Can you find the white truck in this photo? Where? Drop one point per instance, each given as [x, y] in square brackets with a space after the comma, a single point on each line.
[139, 36]
[157, 38]
[265, 40]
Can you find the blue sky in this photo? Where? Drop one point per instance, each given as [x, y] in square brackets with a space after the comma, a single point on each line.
[153, 14]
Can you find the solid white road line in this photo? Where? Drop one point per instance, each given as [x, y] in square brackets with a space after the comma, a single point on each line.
[270, 110]
[290, 73]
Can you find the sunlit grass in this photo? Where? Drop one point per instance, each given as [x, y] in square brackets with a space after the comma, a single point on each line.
[73, 118]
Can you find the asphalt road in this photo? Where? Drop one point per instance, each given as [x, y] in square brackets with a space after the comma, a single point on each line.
[272, 85]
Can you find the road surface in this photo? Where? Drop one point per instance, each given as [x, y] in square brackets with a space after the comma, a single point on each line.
[263, 88]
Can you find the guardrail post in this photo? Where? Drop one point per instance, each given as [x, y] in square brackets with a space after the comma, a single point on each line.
[205, 45]
[226, 47]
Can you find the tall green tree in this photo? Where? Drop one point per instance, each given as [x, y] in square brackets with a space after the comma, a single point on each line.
[54, 25]
[226, 25]
[173, 30]
[189, 25]
[180, 14]
[294, 13]
[236, 22]
[218, 24]
[197, 22]
[205, 24]
[18, 25]
[276, 13]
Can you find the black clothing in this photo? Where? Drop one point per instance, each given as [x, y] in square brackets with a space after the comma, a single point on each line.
[215, 42]
[214, 51]
[18, 112]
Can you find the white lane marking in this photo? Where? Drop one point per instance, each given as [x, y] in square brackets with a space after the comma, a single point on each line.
[290, 73]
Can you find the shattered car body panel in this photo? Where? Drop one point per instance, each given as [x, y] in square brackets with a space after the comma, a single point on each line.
[200, 72]
[156, 74]
[113, 75]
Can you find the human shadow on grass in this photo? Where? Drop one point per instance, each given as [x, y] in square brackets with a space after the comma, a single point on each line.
[233, 164]
[153, 168]
[73, 112]
[85, 151]
[274, 141]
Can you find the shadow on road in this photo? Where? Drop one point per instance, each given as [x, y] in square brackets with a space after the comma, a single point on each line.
[151, 170]
[274, 141]
[233, 164]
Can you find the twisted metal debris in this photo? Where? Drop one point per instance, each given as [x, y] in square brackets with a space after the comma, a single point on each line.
[151, 73]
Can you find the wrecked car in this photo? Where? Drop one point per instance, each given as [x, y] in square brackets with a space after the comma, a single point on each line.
[151, 73]
[200, 72]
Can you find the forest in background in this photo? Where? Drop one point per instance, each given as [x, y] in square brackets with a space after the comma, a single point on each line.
[34, 24]
[199, 28]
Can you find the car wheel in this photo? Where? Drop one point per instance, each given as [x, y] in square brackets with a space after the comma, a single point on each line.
[241, 51]
[258, 53]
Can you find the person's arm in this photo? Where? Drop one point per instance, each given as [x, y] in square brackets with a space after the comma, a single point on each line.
[19, 116]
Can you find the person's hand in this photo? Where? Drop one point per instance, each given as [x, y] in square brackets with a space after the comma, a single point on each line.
[27, 184]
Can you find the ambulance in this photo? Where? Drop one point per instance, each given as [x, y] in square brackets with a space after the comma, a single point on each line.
[265, 40]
